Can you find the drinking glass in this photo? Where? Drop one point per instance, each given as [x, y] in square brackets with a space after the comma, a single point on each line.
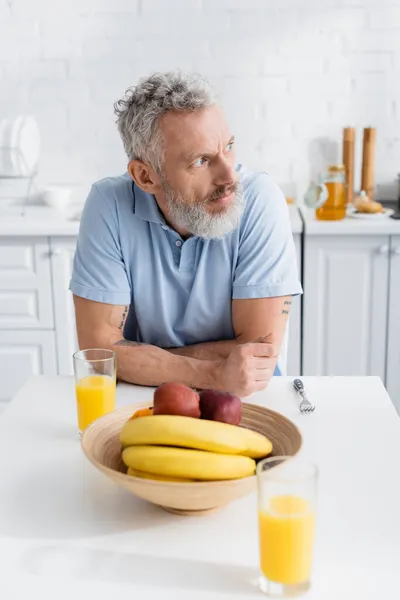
[95, 381]
[287, 489]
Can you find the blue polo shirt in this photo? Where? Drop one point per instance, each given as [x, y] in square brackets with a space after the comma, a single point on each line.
[180, 291]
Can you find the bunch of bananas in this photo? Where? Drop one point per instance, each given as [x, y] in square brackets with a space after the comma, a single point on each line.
[178, 448]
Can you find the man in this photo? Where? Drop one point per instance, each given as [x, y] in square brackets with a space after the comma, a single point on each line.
[185, 265]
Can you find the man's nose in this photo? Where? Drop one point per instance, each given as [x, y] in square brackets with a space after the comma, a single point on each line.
[225, 173]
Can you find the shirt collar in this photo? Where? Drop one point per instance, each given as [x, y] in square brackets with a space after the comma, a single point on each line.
[145, 206]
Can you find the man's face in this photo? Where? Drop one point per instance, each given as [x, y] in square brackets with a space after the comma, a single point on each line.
[199, 181]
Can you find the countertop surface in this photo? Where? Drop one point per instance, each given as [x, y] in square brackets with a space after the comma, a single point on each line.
[295, 219]
[38, 221]
[349, 225]
[43, 221]
[67, 531]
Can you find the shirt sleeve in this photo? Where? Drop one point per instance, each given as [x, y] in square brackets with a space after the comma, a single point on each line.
[267, 261]
[99, 272]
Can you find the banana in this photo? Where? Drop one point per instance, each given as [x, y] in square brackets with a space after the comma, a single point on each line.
[190, 464]
[198, 434]
[145, 475]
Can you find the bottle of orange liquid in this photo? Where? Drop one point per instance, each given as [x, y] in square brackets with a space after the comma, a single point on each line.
[334, 207]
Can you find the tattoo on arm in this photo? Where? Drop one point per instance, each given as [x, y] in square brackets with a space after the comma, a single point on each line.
[129, 343]
[123, 318]
[287, 304]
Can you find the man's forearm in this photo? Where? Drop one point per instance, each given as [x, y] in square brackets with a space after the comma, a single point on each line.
[217, 350]
[207, 350]
[148, 365]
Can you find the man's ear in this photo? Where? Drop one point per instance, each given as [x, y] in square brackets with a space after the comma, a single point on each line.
[144, 176]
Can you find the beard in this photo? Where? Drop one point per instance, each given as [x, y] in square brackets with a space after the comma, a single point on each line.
[197, 220]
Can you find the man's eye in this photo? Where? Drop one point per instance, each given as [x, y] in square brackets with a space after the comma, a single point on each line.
[200, 162]
[229, 146]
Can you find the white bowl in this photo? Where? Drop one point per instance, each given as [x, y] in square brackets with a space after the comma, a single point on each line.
[56, 197]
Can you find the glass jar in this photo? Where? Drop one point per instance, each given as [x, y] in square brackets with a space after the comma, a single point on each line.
[328, 196]
[334, 207]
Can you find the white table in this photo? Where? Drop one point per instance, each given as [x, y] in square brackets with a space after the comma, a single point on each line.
[66, 531]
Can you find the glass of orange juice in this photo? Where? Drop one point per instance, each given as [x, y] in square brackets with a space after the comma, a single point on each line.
[287, 488]
[95, 380]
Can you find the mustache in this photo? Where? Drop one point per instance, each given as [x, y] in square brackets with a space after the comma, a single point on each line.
[223, 191]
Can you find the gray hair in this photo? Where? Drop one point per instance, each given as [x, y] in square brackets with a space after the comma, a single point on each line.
[139, 111]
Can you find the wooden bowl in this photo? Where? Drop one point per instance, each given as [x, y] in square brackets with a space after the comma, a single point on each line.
[100, 443]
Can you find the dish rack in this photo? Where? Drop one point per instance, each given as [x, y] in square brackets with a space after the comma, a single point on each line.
[14, 194]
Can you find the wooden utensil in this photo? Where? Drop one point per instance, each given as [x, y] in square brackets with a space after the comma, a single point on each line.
[348, 161]
[368, 159]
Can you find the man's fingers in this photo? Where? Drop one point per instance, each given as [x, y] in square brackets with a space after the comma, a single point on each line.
[263, 375]
[261, 349]
[262, 363]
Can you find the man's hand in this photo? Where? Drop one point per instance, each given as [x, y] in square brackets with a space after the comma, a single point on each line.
[248, 368]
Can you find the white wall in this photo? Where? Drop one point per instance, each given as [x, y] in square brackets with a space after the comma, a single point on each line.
[290, 72]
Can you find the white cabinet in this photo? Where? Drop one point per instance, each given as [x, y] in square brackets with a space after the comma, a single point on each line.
[62, 254]
[23, 354]
[393, 348]
[25, 284]
[294, 341]
[27, 339]
[345, 304]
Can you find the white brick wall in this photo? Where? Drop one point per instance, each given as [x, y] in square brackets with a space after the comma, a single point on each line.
[291, 74]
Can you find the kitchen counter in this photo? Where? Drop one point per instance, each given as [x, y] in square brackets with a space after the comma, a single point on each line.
[295, 219]
[67, 531]
[348, 226]
[39, 221]
[43, 221]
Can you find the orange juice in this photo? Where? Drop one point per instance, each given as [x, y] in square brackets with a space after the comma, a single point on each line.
[286, 531]
[334, 209]
[95, 397]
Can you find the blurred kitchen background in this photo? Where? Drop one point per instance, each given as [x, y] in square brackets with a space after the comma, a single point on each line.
[292, 74]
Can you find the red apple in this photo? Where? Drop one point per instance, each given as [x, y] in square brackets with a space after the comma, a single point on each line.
[176, 399]
[220, 406]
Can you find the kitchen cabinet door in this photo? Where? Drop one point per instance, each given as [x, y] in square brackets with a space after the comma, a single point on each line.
[25, 283]
[62, 254]
[345, 304]
[294, 339]
[393, 349]
[23, 354]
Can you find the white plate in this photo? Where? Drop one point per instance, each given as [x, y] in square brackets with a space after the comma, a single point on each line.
[28, 142]
[15, 130]
[5, 131]
[20, 144]
[352, 212]
[14, 135]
